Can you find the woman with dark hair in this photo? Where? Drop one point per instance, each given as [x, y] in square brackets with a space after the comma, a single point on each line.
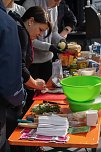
[30, 26]
[45, 48]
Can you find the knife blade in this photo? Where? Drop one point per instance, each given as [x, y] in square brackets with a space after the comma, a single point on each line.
[52, 102]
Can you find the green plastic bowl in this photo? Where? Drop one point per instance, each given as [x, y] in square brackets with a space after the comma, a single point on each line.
[83, 106]
[81, 88]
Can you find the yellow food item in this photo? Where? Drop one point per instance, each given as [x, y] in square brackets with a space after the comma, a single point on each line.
[74, 46]
[62, 45]
[75, 74]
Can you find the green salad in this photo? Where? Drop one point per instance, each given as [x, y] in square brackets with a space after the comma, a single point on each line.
[46, 108]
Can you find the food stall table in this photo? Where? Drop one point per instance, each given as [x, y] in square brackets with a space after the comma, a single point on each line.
[81, 140]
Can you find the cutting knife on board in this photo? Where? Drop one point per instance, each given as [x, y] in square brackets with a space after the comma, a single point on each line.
[53, 102]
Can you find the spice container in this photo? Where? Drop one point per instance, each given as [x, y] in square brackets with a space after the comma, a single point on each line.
[73, 67]
[82, 63]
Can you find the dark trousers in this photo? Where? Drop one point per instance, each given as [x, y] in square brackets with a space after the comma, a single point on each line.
[4, 147]
[12, 114]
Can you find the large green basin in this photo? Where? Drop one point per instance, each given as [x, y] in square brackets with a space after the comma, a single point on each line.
[83, 106]
[81, 88]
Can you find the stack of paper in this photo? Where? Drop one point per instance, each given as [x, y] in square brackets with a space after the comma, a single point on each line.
[52, 125]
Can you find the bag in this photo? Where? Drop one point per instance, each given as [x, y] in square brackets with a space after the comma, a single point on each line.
[57, 72]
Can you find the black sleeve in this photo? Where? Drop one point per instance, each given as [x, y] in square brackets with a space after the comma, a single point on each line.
[20, 2]
[69, 18]
[65, 17]
[24, 45]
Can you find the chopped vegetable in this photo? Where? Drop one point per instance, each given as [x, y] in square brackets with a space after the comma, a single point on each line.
[46, 108]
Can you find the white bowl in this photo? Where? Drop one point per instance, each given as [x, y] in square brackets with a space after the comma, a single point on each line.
[87, 71]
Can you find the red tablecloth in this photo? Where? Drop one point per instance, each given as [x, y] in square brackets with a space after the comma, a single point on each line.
[48, 96]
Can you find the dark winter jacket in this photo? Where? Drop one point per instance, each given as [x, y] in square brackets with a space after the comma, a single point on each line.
[10, 59]
[26, 47]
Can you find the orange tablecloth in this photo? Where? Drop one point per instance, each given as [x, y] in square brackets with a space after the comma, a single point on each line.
[82, 140]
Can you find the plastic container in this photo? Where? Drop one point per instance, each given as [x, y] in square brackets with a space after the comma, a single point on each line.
[82, 63]
[81, 88]
[83, 106]
[87, 71]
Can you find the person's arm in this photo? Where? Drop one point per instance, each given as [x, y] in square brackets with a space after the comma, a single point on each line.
[38, 44]
[56, 37]
[38, 84]
[66, 19]
[24, 43]
[69, 18]
[66, 31]
[28, 80]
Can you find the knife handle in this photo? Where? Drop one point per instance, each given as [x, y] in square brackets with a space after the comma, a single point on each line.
[24, 121]
[28, 125]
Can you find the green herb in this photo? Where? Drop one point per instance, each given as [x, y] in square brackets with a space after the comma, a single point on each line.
[46, 108]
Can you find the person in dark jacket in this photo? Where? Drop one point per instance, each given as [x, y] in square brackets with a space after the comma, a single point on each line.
[26, 32]
[11, 90]
[31, 25]
[34, 22]
[66, 19]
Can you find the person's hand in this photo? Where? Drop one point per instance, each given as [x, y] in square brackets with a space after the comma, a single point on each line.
[62, 45]
[40, 84]
[66, 31]
[54, 48]
[59, 48]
